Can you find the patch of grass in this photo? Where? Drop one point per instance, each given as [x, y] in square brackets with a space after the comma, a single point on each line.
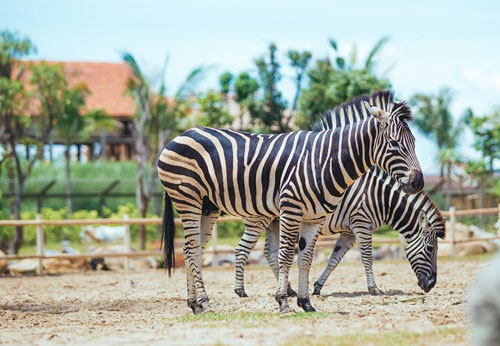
[249, 316]
[214, 316]
[441, 336]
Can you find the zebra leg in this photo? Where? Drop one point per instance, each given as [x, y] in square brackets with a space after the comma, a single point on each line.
[193, 256]
[307, 239]
[271, 252]
[191, 290]
[206, 227]
[253, 229]
[343, 244]
[290, 220]
[365, 245]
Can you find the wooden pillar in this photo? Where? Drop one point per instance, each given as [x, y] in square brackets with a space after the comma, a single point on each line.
[103, 145]
[452, 232]
[126, 243]
[90, 152]
[123, 152]
[39, 244]
[79, 152]
[214, 246]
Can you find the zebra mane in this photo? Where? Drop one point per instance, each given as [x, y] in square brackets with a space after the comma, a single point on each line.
[354, 110]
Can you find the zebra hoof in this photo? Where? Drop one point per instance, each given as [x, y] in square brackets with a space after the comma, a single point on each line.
[193, 305]
[290, 292]
[375, 291]
[305, 304]
[283, 302]
[241, 292]
[317, 290]
[204, 307]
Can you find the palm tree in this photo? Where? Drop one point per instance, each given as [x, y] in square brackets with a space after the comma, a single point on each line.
[434, 119]
[155, 120]
[72, 126]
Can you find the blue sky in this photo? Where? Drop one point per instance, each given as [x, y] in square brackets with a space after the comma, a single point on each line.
[432, 43]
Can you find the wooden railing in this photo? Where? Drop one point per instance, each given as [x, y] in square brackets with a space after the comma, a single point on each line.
[324, 242]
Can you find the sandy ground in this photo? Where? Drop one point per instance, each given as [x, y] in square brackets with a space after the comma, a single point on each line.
[148, 308]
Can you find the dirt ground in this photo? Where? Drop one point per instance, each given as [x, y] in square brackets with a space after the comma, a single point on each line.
[149, 308]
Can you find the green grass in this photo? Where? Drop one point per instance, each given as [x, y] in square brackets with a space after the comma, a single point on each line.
[441, 336]
[249, 316]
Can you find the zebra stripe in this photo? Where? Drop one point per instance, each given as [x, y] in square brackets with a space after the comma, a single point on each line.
[374, 200]
[299, 177]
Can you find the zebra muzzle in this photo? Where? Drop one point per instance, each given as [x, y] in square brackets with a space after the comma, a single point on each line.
[426, 283]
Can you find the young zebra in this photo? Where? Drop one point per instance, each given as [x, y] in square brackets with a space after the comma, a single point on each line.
[299, 177]
[373, 200]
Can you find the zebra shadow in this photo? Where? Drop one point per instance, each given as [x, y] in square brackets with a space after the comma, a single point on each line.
[366, 293]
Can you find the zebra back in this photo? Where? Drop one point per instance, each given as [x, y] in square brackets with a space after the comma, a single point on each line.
[355, 110]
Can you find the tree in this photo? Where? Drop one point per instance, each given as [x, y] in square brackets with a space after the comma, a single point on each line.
[154, 123]
[434, 119]
[16, 128]
[333, 81]
[268, 113]
[478, 170]
[212, 110]
[225, 81]
[245, 90]
[73, 126]
[486, 131]
[299, 62]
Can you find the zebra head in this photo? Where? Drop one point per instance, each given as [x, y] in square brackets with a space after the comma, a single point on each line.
[422, 245]
[395, 145]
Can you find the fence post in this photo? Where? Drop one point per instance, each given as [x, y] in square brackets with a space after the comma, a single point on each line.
[402, 245]
[126, 243]
[452, 232]
[39, 244]
[214, 245]
[498, 221]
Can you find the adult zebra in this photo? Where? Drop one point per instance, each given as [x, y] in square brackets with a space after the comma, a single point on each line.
[299, 177]
[373, 200]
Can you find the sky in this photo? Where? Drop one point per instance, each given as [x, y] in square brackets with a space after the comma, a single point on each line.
[433, 44]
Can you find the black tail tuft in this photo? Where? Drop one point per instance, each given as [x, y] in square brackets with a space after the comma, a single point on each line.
[168, 234]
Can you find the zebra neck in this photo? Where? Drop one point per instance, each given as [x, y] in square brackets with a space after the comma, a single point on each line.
[353, 148]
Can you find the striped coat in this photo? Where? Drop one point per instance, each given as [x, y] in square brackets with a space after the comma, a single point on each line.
[299, 177]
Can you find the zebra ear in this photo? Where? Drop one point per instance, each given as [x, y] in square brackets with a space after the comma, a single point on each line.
[381, 115]
[442, 232]
[422, 219]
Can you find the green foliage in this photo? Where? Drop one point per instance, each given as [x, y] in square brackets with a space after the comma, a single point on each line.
[92, 177]
[267, 112]
[225, 81]
[13, 48]
[433, 117]
[55, 234]
[477, 168]
[233, 229]
[245, 87]
[330, 85]
[212, 111]
[133, 212]
[299, 61]
[486, 131]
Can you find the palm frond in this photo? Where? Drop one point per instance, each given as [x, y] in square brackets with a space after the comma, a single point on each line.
[375, 50]
[189, 85]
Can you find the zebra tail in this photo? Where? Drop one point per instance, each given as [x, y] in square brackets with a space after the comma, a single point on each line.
[168, 233]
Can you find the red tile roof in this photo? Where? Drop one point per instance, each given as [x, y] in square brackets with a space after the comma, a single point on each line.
[107, 83]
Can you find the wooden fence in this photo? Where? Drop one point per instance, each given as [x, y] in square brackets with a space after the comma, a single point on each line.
[324, 242]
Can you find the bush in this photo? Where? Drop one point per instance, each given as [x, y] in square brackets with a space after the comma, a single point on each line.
[152, 231]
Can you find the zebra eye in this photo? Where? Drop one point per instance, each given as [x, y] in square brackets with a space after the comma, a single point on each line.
[394, 144]
[429, 248]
